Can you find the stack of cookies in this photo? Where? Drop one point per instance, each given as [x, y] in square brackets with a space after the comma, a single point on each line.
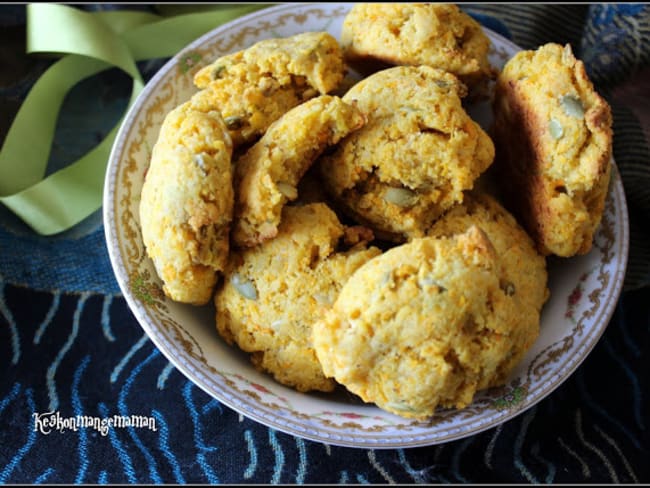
[342, 228]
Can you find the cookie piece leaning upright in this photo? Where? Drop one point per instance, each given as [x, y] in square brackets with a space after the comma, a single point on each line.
[553, 137]
[437, 35]
[186, 203]
[255, 86]
[272, 293]
[423, 325]
[267, 175]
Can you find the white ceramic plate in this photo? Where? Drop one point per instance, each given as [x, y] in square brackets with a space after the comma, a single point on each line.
[584, 290]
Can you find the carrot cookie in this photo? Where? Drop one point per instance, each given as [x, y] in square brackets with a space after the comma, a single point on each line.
[187, 202]
[425, 324]
[254, 87]
[437, 35]
[414, 157]
[273, 293]
[268, 173]
[522, 276]
[554, 142]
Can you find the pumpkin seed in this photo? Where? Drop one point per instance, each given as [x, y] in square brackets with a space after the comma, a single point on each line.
[245, 287]
[218, 71]
[277, 324]
[201, 162]
[234, 122]
[572, 106]
[400, 407]
[287, 190]
[556, 129]
[429, 281]
[508, 288]
[322, 298]
[410, 109]
[402, 197]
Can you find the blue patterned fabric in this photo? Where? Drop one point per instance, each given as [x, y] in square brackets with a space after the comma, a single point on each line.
[613, 41]
[69, 343]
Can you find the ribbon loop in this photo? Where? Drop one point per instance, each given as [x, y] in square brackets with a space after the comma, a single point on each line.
[67, 30]
[89, 43]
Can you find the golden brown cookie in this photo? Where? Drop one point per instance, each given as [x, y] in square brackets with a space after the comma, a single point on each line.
[267, 175]
[522, 270]
[425, 324]
[437, 35]
[414, 157]
[186, 203]
[252, 88]
[554, 142]
[273, 293]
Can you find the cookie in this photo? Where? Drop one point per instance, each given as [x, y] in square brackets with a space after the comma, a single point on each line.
[424, 325]
[267, 175]
[186, 203]
[522, 270]
[554, 145]
[273, 293]
[376, 35]
[417, 153]
[253, 87]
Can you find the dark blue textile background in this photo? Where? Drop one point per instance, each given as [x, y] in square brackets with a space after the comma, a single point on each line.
[69, 343]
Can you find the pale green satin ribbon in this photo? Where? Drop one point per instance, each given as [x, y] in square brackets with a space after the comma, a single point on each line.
[89, 43]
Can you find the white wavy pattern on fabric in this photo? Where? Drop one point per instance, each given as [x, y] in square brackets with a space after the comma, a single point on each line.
[224, 449]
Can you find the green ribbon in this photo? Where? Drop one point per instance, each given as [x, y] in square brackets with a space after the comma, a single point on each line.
[89, 43]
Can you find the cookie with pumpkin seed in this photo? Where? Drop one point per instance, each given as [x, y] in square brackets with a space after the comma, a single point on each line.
[554, 144]
[186, 203]
[376, 35]
[417, 153]
[424, 325]
[272, 293]
[267, 175]
[253, 87]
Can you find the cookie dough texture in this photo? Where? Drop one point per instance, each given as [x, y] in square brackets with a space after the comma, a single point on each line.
[253, 87]
[554, 143]
[273, 293]
[522, 270]
[412, 160]
[268, 174]
[437, 35]
[187, 203]
[425, 324]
